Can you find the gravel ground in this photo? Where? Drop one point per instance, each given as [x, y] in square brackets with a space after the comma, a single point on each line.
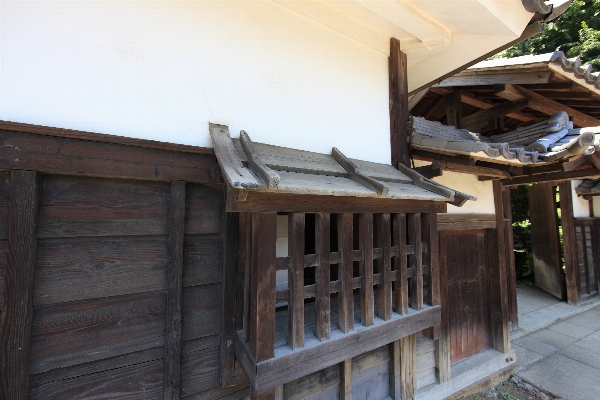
[512, 389]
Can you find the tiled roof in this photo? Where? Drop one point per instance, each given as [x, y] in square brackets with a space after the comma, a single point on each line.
[589, 187]
[545, 141]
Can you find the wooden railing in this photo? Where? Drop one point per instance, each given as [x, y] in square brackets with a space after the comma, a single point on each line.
[389, 261]
[587, 237]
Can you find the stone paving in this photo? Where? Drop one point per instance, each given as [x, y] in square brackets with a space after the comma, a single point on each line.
[558, 345]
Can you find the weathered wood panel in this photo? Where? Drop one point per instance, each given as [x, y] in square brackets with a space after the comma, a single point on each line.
[21, 245]
[586, 256]
[81, 206]
[204, 209]
[202, 259]
[99, 267]
[137, 375]
[201, 311]
[569, 244]
[200, 364]
[547, 264]
[465, 259]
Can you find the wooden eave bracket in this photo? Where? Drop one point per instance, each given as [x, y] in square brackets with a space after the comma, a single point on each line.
[256, 165]
[358, 177]
[454, 197]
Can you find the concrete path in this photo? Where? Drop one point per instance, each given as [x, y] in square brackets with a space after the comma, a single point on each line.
[563, 356]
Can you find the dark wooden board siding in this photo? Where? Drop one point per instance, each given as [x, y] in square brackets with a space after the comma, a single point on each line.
[202, 259]
[98, 267]
[204, 209]
[200, 365]
[137, 375]
[468, 302]
[82, 206]
[73, 333]
[201, 311]
[2, 269]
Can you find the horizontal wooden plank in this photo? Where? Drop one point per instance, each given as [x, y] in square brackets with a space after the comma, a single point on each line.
[137, 375]
[98, 267]
[287, 366]
[372, 384]
[241, 391]
[204, 208]
[202, 259]
[199, 365]
[61, 155]
[82, 206]
[201, 311]
[456, 222]
[257, 202]
[73, 333]
[313, 384]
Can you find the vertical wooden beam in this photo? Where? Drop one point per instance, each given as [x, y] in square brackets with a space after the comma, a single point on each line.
[322, 246]
[279, 392]
[367, 301]
[296, 224]
[346, 379]
[442, 345]
[415, 261]
[384, 240]
[174, 276]
[398, 105]
[262, 283]
[400, 263]
[346, 298]
[431, 280]
[569, 243]
[395, 371]
[246, 239]
[454, 108]
[17, 310]
[230, 279]
[408, 366]
[511, 273]
[241, 272]
[498, 285]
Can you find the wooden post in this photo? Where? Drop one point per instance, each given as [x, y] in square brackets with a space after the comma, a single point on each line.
[400, 263]
[230, 280]
[296, 223]
[408, 366]
[511, 274]
[498, 286]
[246, 260]
[395, 371]
[398, 104]
[174, 276]
[383, 230]
[415, 261]
[17, 310]
[322, 247]
[431, 280]
[442, 345]
[569, 243]
[367, 301]
[346, 379]
[262, 282]
[346, 298]
[454, 108]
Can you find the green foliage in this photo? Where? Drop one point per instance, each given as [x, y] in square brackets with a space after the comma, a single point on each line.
[519, 204]
[576, 33]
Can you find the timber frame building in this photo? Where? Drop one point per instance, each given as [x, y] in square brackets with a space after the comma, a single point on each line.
[147, 251]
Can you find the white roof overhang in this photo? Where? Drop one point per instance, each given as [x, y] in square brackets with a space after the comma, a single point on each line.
[438, 36]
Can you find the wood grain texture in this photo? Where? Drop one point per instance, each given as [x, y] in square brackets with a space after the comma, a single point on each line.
[202, 311]
[137, 375]
[204, 209]
[2, 269]
[57, 155]
[383, 235]
[81, 206]
[262, 278]
[569, 243]
[398, 91]
[77, 332]
[455, 222]
[230, 301]
[21, 245]
[346, 380]
[408, 366]
[367, 299]
[269, 202]
[174, 278]
[200, 368]
[415, 261]
[346, 298]
[400, 263]
[203, 259]
[322, 276]
[296, 226]
[395, 371]
[98, 267]
[442, 345]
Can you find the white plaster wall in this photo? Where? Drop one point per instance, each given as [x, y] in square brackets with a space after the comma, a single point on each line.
[596, 206]
[581, 207]
[161, 70]
[467, 183]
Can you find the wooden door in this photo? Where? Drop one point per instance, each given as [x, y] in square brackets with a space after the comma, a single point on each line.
[464, 255]
[545, 240]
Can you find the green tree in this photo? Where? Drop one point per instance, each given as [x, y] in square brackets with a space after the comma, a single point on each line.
[576, 33]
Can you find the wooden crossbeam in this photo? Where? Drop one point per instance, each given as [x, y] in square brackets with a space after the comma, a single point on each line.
[552, 177]
[470, 78]
[543, 104]
[270, 177]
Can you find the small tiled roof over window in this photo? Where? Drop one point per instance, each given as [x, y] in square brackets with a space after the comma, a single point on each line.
[249, 166]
